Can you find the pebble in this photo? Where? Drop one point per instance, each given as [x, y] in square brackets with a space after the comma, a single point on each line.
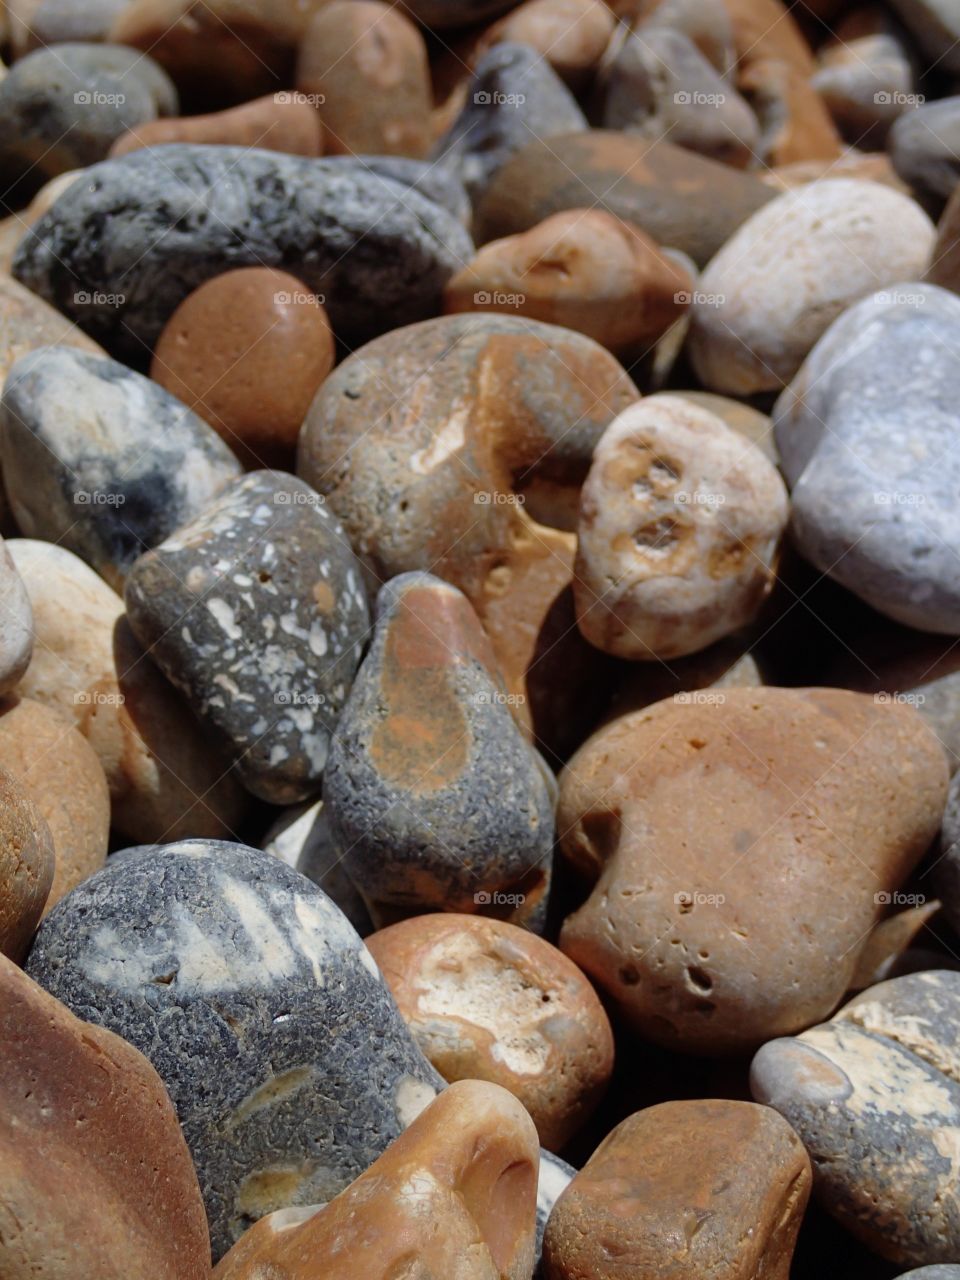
[946, 870]
[16, 623]
[176, 218]
[434, 797]
[683, 200]
[923, 146]
[514, 97]
[660, 85]
[773, 290]
[27, 322]
[757, 427]
[688, 817]
[364, 64]
[485, 1000]
[454, 1196]
[301, 838]
[767, 29]
[704, 22]
[95, 1177]
[795, 123]
[657, 1199]
[935, 25]
[279, 122]
[571, 35]
[111, 493]
[866, 83]
[12, 230]
[255, 610]
[873, 1094]
[167, 779]
[867, 432]
[27, 861]
[72, 799]
[680, 523]
[263, 1013]
[247, 352]
[73, 21]
[944, 268]
[415, 440]
[583, 269]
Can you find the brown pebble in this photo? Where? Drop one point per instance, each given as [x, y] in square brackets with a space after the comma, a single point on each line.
[795, 124]
[278, 122]
[767, 29]
[571, 35]
[26, 867]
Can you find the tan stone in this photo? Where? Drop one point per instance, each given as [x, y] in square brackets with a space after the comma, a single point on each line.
[680, 523]
[584, 269]
[570, 34]
[486, 1000]
[26, 871]
[453, 1197]
[27, 322]
[167, 780]
[765, 29]
[95, 1177]
[278, 122]
[867, 166]
[742, 850]
[691, 1190]
[757, 427]
[366, 62]
[795, 123]
[247, 351]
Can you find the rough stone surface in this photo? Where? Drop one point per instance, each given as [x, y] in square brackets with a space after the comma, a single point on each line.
[656, 1198]
[793, 268]
[260, 1008]
[278, 122]
[167, 779]
[255, 610]
[757, 427]
[102, 460]
[12, 231]
[154, 226]
[434, 797]
[867, 435]
[301, 838]
[26, 871]
[874, 1095]
[923, 146]
[16, 623]
[742, 847]
[95, 1177]
[472, 1159]
[488, 1001]
[435, 182]
[680, 523]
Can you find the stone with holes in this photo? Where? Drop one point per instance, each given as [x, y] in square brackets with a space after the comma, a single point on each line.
[257, 612]
[264, 1014]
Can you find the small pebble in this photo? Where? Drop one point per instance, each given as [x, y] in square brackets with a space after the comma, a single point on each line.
[279, 122]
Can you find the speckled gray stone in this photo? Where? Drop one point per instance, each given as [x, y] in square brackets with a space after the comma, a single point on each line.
[301, 838]
[437, 182]
[935, 25]
[267, 1019]
[62, 108]
[435, 799]
[946, 870]
[932, 1273]
[867, 434]
[515, 98]
[102, 460]
[256, 611]
[924, 146]
[155, 224]
[875, 1096]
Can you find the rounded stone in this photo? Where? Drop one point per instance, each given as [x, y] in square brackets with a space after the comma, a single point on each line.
[741, 847]
[278, 122]
[655, 1198]
[247, 352]
[873, 1094]
[866, 83]
[145, 230]
[16, 623]
[255, 610]
[109, 494]
[167, 779]
[72, 799]
[755, 426]
[27, 322]
[923, 146]
[72, 21]
[773, 290]
[364, 64]
[571, 34]
[263, 1013]
[435, 798]
[485, 1000]
[26, 868]
[583, 269]
[95, 1177]
[12, 231]
[680, 523]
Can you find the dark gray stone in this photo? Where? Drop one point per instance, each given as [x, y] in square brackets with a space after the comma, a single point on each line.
[155, 224]
[101, 460]
[436, 182]
[434, 797]
[278, 1041]
[946, 871]
[935, 25]
[924, 146]
[874, 1094]
[867, 435]
[515, 97]
[255, 610]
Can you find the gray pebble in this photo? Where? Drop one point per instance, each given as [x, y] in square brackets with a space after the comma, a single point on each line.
[278, 1041]
[153, 225]
[867, 434]
[935, 25]
[867, 84]
[932, 1273]
[102, 460]
[255, 610]
[436, 182]
[924, 146]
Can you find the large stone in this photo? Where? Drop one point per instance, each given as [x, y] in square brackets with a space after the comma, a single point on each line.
[267, 1019]
[26, 872]
[742, 847]
[150, 227]
[255, 610]
[95, 1177]
[867, 435]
